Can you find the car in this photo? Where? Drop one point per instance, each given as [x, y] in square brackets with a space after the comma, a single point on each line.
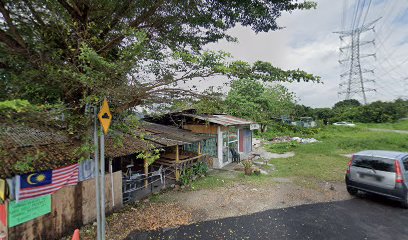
[379, 172]
[347, 124]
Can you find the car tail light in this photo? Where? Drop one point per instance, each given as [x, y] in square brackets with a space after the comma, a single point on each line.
[349, 165]
[398, 178]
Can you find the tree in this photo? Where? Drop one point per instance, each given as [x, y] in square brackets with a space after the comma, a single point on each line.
[347, 103]
[133, 52]
[253, 100]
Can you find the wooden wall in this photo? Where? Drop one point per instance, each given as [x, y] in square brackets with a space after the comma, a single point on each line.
[208, 129]
[71, 207]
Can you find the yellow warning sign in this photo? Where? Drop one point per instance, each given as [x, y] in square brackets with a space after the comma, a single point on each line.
[105, 116]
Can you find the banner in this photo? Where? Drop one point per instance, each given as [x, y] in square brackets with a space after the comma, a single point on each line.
[86, 170]
[27, 210]
[3, 214]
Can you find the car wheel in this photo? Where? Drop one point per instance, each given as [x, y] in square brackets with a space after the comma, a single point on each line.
[352, 191]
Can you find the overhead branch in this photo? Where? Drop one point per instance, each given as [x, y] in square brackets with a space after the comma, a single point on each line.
[37, 17]
[73, 11]
[134, 24]
[12, 27]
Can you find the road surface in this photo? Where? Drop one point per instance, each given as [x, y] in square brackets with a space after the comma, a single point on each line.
[367, 217]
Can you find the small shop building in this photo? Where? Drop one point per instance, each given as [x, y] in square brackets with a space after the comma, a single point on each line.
[231, 137]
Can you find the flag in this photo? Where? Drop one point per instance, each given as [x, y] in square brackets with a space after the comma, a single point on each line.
[3, 190]
[86, 170]
[46, 182]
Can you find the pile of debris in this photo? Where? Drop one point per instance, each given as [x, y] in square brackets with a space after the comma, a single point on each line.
[290, 139]
[281, 139]
[305, 140]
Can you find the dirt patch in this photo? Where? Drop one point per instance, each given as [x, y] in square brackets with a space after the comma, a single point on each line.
[246, 198]
[144, 217]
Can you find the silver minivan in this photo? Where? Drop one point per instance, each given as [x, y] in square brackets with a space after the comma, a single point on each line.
[379, 172]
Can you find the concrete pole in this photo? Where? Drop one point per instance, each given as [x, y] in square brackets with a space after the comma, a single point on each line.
[96, 159]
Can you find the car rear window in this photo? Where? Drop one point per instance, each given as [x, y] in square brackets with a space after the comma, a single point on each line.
[378, 164]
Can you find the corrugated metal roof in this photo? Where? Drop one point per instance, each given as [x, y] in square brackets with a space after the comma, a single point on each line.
[224, 120]
[49, 149]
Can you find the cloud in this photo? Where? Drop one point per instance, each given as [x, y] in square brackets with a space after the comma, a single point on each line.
[307, 42]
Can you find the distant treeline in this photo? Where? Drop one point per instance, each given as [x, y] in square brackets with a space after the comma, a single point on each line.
[352, 110]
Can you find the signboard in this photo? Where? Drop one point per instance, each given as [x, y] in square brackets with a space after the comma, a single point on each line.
[27, 210]
[105, 116]
[254, 126]
[3, 214]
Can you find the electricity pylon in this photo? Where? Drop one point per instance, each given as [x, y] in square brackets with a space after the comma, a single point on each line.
[353, 79]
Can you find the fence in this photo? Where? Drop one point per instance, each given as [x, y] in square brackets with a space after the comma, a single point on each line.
[135, 186]
[71, 207]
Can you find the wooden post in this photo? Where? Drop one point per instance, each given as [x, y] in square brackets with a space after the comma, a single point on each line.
[199, 148]
[146, 172]
[177, 162]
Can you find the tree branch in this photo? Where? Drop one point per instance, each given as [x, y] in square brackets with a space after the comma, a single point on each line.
[134, 24]
[9, 21]
[74, 12]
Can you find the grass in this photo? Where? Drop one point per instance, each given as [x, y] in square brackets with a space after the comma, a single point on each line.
[211, 182]
[323, 161]
[400, 125]
[282, 147]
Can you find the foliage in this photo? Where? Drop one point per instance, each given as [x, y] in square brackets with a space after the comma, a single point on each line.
[279, 129]
[133, 52]
[253, 100]
[247, 164]
[352, 110]
[348, 103]
[189, 174]
[150, 156]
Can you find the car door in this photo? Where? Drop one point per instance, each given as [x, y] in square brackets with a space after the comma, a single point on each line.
[374, 171]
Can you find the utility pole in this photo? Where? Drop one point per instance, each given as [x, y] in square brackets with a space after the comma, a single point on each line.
[353, 82]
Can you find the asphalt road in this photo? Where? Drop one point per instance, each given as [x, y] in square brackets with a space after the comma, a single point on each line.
[367, 217]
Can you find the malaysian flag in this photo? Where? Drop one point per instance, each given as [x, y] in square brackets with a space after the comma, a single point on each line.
[46, 182]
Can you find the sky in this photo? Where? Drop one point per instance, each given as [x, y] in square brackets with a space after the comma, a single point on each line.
[308, 43]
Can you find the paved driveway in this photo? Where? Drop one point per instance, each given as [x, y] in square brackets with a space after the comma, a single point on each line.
[359, 218]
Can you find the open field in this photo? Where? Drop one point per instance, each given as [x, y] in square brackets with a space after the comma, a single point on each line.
[400, 125]
[325, 161]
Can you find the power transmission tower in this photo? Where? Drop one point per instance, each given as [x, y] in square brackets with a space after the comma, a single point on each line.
[353, 80]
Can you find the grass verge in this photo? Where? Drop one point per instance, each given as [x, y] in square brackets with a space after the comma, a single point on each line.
[323, 161]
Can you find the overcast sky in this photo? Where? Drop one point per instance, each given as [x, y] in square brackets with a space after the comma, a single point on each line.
[308, 43]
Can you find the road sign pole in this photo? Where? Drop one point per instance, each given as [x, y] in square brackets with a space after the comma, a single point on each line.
[96, 159]
[103, 222]
[105, 118]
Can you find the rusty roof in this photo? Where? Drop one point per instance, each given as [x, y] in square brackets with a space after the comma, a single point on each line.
[44, 149]
[220, 119]
[169, 136]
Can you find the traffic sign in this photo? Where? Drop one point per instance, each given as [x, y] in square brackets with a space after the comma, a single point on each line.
[105, 116]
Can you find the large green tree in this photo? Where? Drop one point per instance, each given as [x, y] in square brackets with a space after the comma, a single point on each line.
[134, 52]
[253, 100]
